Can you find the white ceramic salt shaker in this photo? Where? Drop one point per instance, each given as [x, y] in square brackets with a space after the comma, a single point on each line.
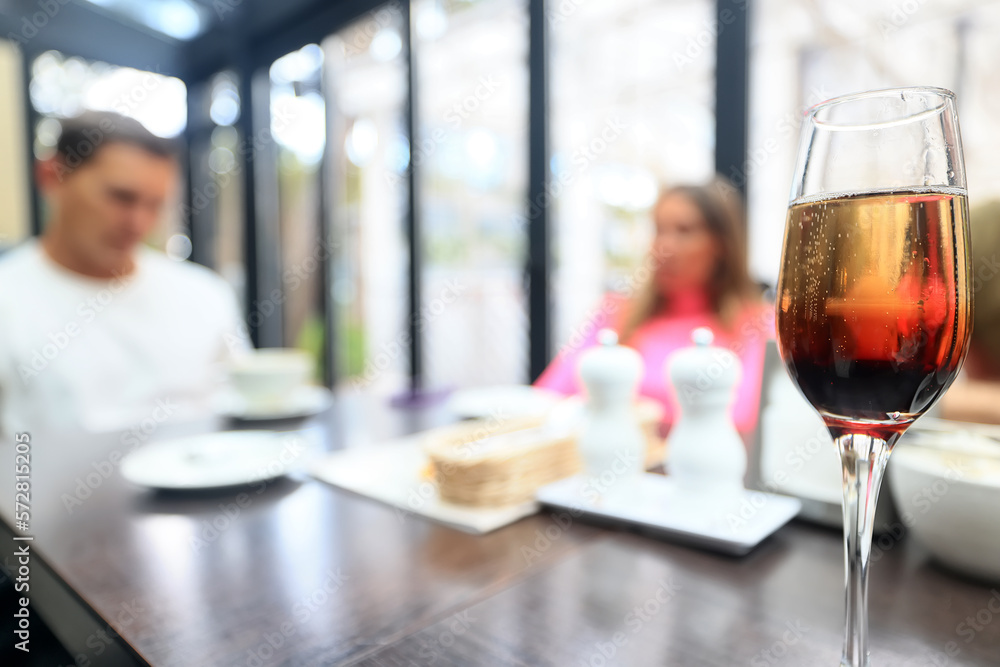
[611, 441]
[705, 454]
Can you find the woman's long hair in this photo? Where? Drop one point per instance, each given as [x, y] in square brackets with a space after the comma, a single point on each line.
[730, 288]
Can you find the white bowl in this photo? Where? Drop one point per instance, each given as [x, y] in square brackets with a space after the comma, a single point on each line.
[947, 491]
[267, 377]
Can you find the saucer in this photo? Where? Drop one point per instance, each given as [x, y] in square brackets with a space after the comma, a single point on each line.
[303, 402]
[213, 460]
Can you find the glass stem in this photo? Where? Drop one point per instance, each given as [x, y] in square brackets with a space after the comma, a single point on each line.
[863, 458]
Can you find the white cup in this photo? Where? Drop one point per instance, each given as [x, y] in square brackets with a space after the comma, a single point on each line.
[270, 377]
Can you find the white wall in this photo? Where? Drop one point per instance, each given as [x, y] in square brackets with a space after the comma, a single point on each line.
[14, 213]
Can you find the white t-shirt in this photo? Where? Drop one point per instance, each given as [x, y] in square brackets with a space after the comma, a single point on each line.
[98, 355]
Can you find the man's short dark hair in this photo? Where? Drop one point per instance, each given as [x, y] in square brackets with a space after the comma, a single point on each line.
[82, 136]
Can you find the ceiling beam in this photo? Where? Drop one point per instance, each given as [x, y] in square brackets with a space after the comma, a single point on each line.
[72, 28]
[264, 30]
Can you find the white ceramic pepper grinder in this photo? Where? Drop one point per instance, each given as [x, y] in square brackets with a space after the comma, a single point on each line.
[611, 441]
[705, 453]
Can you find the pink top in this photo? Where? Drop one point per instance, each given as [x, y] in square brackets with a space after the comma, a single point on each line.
[661, 336]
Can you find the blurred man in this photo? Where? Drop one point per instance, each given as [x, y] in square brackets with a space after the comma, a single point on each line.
[97, 331]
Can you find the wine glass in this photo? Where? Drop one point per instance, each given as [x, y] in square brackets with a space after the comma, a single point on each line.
[874, 305]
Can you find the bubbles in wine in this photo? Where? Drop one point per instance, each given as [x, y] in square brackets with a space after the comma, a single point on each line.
[873, 313]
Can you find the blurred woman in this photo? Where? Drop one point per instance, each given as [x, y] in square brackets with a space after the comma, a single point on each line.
[695, 275]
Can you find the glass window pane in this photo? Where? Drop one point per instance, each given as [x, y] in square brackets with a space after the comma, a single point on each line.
[225, 151]
[369, 156]
[632, 88]
[298, 125]
[471, 150]
[843, 47]
[216, 148]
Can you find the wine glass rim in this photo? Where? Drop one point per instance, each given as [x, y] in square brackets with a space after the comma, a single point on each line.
[943, 93]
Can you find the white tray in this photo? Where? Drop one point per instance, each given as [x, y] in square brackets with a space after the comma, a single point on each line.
[654, 504]
[391, 473]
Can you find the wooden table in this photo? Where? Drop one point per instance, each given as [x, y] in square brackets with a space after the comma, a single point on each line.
[305, 574]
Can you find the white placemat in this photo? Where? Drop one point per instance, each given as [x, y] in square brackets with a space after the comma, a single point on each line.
[654, 503]
[391, 473]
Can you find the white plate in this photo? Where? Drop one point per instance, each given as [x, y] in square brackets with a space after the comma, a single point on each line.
[515, 400]
[655, 504]
[304, 402]
[213, 460]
